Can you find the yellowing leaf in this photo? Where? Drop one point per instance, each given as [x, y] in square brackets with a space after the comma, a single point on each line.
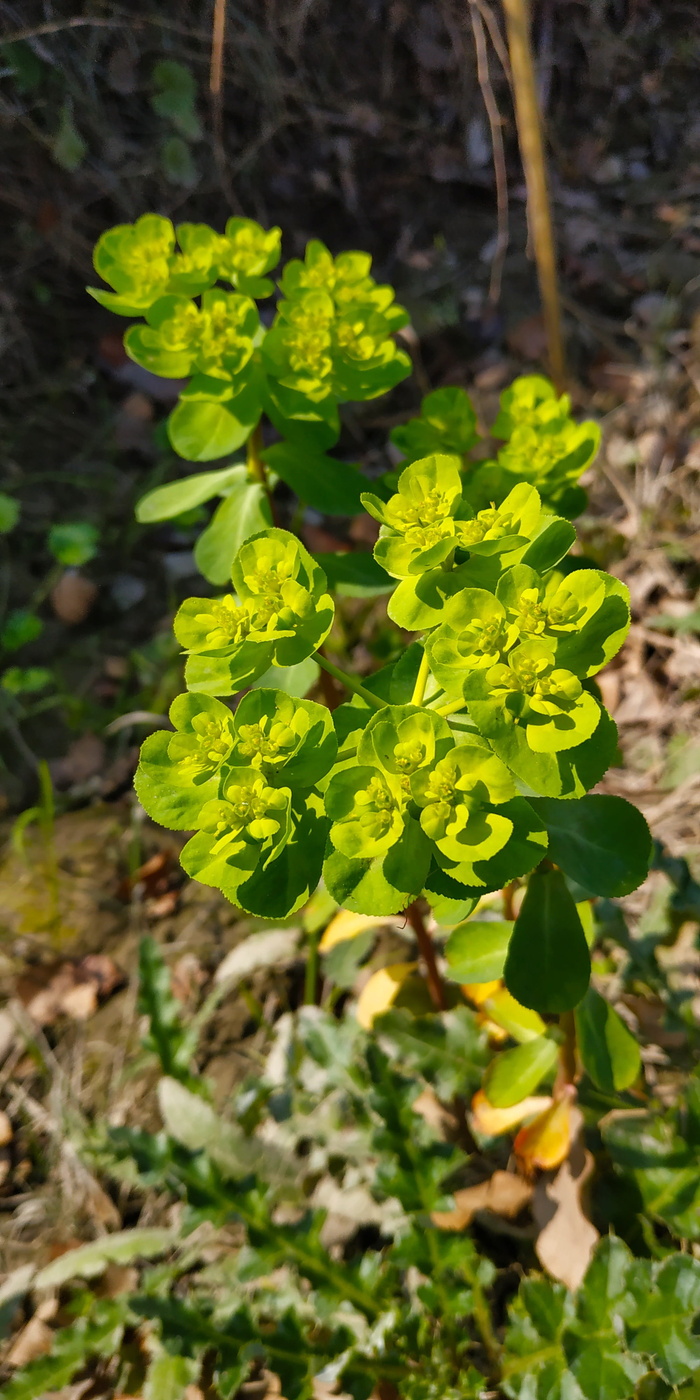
[381, 992]
[491, 1121]
[346, 925]
[479, 992]
[545, 1142]
[520, 1023]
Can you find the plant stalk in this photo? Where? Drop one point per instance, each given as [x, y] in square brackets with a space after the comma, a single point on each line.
[436, 986]
[418, 695]
[530, 136]
[349, 682]
[568, 1062]
[256, 467]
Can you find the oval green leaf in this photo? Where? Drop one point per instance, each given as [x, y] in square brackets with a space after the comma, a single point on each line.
[548, 965]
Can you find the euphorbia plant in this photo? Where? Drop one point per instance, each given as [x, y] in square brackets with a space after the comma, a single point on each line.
[460, 769]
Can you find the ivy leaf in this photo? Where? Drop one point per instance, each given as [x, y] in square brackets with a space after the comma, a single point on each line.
[608, 1050]
[601, 842]
[548, 965]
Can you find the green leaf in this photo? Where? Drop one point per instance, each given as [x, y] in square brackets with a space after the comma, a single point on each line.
[355, 574]
[165, 502]
[73, 544]
[193, 1123]
[167, 1038]
[9, 513]
[515, 1074]
[168, 1377]
[202, 430]
[656, 1152]
[20, 628]
[601, 842]
[293, 680]
[548, 965]
[68, 148]
[172, 795]
[608, 1050]
[174, 97]
[663, 1325]
[549, 547]
[318, 480]
[99, 1335]
[244, 511]
[448, 1051]
[177, 163]
[90, 1260]
[476, 950]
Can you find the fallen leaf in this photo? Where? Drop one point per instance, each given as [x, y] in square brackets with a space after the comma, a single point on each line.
[493, 1121]
[381, 991]
[72, 597]
[504, 1194]
[36, 1339]
[544, 1143]
[346, 925]
[6, 1133]
[567, 1237]
[272, 947]
[73, 988]
[186, 977]
[435, 1114]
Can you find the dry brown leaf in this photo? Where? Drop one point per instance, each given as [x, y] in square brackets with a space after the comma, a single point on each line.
[73, 988]
[72, 597]
[567, 1237]
[435, 1114]
[504, 1194]
[6, 1133]
[36, 1338]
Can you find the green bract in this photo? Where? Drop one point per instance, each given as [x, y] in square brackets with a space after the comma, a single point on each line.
[447, 423]
[280, 614]
[467, 760]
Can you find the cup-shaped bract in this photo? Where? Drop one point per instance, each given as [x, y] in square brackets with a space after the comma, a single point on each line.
[456, 796]
[501, 529]
[476, 634]
[530, 399]
[366, 360]
[584, 616]
[297, 350]
[284, 592]
[346, 279]
[248, 252]
[289, 740]
[180, 338]
[447, 424]
[400, 739]
[366, 811]
[196, 267]
[418, 525]
[546, 701]
[134, 259]
[179, 772]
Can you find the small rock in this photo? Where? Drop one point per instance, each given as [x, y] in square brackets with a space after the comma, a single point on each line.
[72, 597]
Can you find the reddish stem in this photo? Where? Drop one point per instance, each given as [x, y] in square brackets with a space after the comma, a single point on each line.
[427, 952]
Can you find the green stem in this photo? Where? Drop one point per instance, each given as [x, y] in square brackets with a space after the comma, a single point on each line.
[418, 695]
[349, 682]
[256, 467]
[451, 708]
